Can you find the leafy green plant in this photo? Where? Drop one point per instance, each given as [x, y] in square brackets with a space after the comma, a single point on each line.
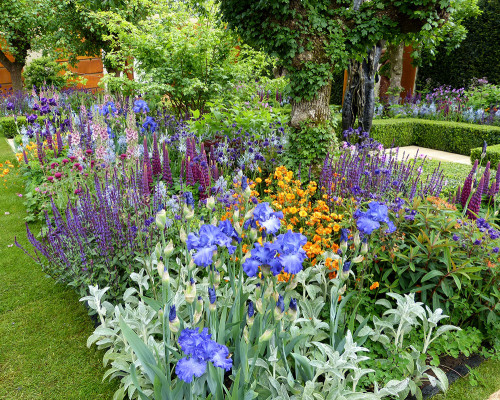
[45, 71]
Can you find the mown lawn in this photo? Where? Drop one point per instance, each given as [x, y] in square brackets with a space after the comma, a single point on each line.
[43, 326]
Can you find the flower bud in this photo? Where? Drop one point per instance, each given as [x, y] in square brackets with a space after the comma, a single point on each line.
[165, 278]
[169, 249]
[259, 306]
[236, 215]
[249, 214]
[214, 275]
[158, 251]
[212, 297]
[237, 227]
[357, 240]
[358, 259]
[161, 268]
[189, 213]
[214, 221]
[197, 317]
[251, 313]
[182, 235]
[247, 193]
[161, 219]
[266, 335]
[190, 291]
[253, 234]
[210, 203]
[173, 320]
[246, 336]
[191, 264]
[279, 310]
[258, 290]
[343, 246]
[198, 306]
[292, 310]
[160, 314]
[364, 247]
[269, 291]
[276, 296]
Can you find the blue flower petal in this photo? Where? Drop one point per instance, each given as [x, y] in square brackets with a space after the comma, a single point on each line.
[188, 368]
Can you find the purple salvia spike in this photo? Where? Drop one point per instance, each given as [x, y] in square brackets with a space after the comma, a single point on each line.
[48, 135]
[167, 172]
[59, 143]
[189, 173]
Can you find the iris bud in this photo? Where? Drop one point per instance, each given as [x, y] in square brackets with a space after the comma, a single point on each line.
[266, 335]
[253, 234]
[169, 249]
[259, 306]
[246, 336]
[214, 221]
[161, 219]
[211, 203]
[358, 259]
[161, 268]
[190, 291]
[182, 235]
[357, 240]
[364, 248]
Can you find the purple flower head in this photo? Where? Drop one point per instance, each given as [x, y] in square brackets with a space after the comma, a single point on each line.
[280, 304]
[495, 250]
[206, 242]
[189, 199]
[172, 315]
[244, 182]
[212, 296]
[262, 256]
[346, 266]
[455, 237]
[201, 349]
[344, 235]
[370, 220]
[293, 304]
[251, 310]
[32, 118]
[291, 253]
[140, 106]
[149, 124]
[266, 217]
[228, 229]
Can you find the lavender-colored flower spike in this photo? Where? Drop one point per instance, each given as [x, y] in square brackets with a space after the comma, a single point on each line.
[156, 158]
[167, 172]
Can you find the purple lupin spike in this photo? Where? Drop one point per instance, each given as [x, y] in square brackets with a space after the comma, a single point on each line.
[145, 181]
[467, 188]
[156, 158]
[486, 176]
[39, 146]
[475, 202]
[167, 172]
[189, 173]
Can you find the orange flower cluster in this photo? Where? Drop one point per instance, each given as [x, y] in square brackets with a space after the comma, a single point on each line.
[5, 169]
[313, 218]
[441, 204]
[31, 152]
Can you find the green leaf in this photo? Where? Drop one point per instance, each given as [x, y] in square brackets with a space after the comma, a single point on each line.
[431, 274]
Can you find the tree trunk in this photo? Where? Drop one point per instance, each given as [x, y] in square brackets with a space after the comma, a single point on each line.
[316, 110]
[15, 70]
[359, 96]
[395, 53]
[16, 76]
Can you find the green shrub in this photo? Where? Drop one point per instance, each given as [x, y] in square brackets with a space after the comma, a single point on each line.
[492, 154]
[44, 71]
[454, 137]
[389, 131]
[8, 126]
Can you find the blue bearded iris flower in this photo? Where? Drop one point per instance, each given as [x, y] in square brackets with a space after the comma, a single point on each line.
[262, 256]
[201, 349]
[149, 124]
[285, 253]
[291, 253]
[206, 242]
[370, 220]
[140, 106]
[266, 217]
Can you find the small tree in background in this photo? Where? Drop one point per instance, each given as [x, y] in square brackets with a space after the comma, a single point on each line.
[313, 38]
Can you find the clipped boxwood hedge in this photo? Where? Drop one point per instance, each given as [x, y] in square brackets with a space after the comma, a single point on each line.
[8, 126]
[454, 137]
[492, 155]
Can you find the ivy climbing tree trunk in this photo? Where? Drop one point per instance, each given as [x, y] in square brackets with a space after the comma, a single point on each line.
[316, 110]
[359, 96]
[395, 56]
[15, 70]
